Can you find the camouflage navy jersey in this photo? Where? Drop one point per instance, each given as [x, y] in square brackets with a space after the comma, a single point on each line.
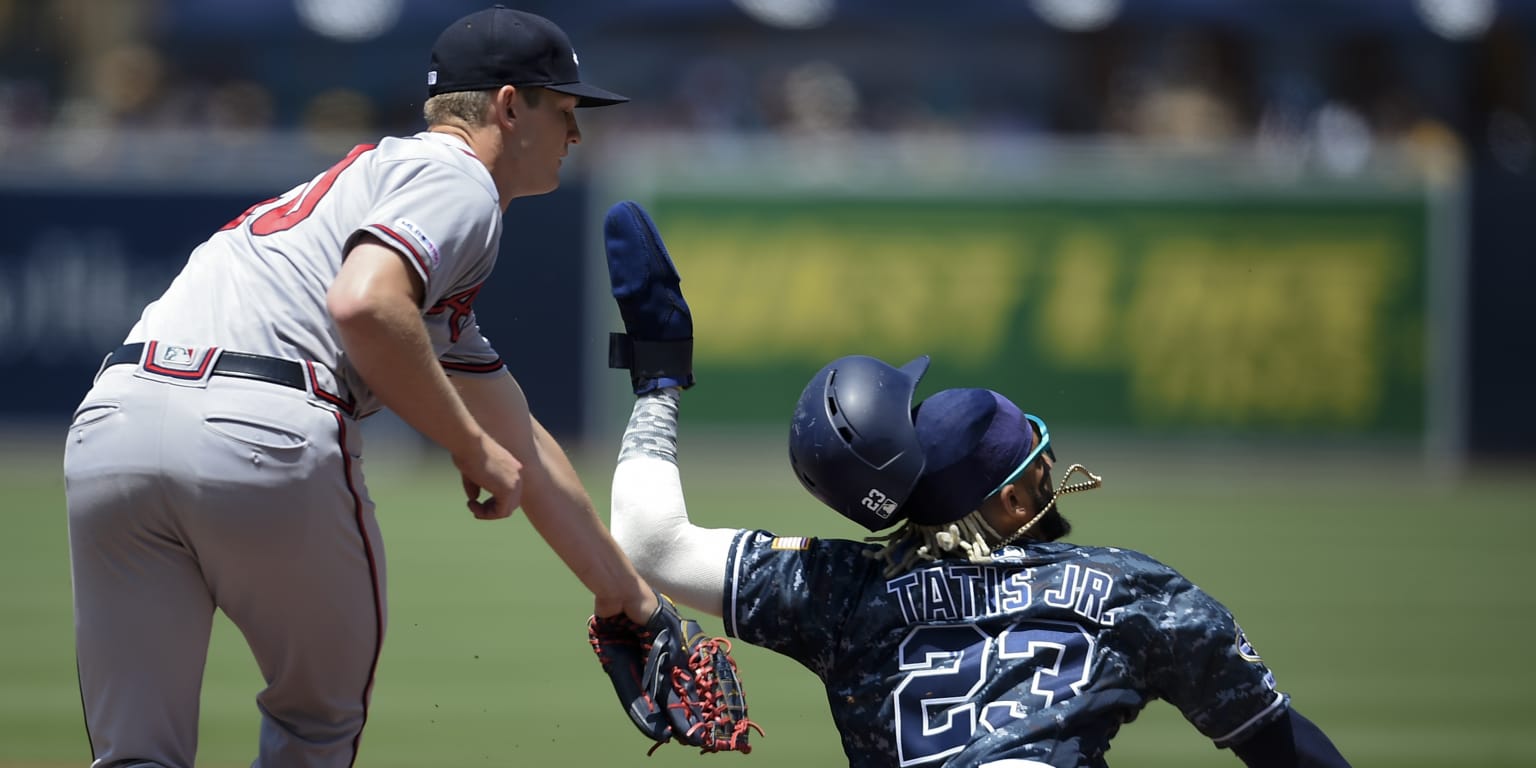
[1040, 656]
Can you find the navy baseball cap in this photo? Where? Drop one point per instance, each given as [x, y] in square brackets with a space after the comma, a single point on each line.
[973, 440]
[501, 46]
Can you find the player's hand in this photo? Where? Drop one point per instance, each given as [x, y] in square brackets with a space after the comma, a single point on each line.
[674, 681]
[493, 469]
[639, 606]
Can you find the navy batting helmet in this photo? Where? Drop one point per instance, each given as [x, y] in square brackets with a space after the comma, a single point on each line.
[852, 443]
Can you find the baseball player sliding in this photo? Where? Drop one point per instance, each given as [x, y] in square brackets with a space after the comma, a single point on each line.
[215, 461]
[968, 635]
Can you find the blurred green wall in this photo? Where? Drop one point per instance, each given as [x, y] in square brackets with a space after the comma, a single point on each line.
[1237, 314]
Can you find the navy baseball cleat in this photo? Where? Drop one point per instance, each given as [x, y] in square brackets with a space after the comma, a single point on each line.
[657, 346]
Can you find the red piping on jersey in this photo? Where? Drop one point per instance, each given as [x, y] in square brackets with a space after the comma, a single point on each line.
[373, 573]
[149, 364]
[476, 367]
[410, 247]
[314, 384]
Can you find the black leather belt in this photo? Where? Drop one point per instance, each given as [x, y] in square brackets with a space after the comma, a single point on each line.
[273, 370]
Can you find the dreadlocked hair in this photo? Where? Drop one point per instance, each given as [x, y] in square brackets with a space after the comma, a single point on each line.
[913, 543]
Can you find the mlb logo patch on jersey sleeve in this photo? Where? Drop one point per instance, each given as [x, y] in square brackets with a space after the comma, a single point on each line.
[790, 543]
[428, 248]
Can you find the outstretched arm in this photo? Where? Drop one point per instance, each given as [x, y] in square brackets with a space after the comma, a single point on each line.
[554, 500]
[650, 520]
[649, 517]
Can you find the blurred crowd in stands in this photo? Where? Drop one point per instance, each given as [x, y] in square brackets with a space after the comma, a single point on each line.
[1331, 93]
[188, 95]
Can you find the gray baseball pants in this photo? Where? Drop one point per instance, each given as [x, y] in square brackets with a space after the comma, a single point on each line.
[227, 494]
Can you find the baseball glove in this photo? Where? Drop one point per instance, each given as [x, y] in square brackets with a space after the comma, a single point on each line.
[674, 681]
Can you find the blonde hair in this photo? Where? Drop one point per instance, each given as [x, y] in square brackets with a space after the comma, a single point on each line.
[466, 108]
[470, 108]
[970, 536]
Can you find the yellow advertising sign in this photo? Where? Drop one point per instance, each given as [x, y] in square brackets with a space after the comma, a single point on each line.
[1205, 314]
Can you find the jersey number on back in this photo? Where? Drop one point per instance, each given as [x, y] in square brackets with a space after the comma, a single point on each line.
[946, 666]
[287, 216]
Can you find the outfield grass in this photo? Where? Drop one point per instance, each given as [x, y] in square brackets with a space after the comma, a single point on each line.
[1396, 609]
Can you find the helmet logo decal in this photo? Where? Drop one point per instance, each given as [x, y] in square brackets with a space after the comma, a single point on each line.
[877, 502]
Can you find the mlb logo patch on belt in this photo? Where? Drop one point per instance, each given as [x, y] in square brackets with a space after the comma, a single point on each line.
[178, 361]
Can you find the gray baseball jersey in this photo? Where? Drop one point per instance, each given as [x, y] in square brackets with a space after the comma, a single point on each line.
[194, 485]
[259, 284]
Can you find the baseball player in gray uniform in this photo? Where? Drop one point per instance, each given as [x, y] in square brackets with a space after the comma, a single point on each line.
[216, 462]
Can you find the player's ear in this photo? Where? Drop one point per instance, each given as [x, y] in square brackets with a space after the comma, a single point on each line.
[505, 100]
[1002, 511]
[1014, 503]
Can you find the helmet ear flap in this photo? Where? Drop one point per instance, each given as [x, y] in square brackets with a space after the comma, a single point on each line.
[852, 443]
